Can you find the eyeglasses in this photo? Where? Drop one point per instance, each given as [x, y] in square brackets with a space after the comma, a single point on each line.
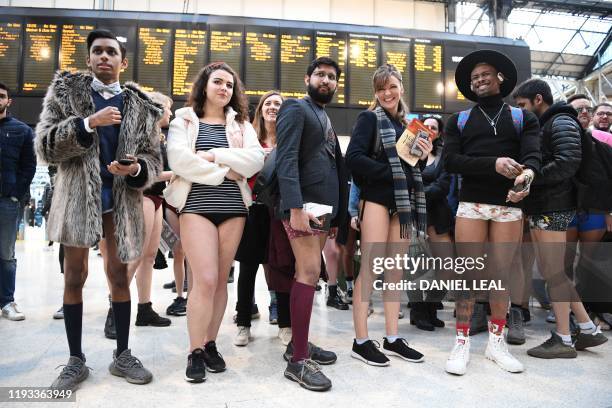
[322, 74]
[586, 109]
[601, 114]
[432, 116]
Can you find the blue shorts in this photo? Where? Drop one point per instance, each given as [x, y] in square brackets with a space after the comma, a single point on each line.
[585, 221]
[107, 200]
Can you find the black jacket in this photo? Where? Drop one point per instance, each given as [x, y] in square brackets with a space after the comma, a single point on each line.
[437, 185]
[597, 195]
[306, 171]
[553, 189]
[17, 158]
[371, 170]
[473, 152]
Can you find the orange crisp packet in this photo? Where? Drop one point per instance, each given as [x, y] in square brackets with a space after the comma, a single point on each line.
[407, 147]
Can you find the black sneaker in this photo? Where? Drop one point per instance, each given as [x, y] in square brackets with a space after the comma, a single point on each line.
[170, 285]
[110, 332]
[213, 359]
[400, 349]
[148, 317]
[369, 353]
[308, 374]
[316, 354]
[196, 368]
[178, 307]
[336, 302]
[584, 340]
[553, 348]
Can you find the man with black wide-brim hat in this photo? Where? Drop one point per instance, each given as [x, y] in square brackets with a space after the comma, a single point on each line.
[496, 150]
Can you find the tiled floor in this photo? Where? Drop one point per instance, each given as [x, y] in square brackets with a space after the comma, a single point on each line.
[32, 349]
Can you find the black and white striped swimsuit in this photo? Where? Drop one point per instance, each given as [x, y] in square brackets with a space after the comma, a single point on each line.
[224, 200]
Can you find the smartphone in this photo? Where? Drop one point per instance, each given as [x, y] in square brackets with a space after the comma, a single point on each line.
[125, 162]
[519, 187]
[415, 150]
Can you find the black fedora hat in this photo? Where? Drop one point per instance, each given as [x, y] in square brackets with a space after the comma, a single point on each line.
[500, 61]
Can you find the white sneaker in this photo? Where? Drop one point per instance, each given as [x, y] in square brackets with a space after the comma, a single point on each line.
[11, 312]
[285, 334]
[460, 356]
[59, 314]
[497, 351]
[243, 336]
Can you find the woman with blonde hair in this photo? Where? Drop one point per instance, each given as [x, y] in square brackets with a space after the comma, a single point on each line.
[392, 204]
[212, 149]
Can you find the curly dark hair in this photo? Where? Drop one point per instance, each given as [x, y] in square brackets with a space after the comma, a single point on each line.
[197, 97]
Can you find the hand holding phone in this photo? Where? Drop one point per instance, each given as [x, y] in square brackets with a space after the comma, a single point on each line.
[125, 161]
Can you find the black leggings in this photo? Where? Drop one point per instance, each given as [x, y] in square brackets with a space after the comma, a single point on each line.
[61, 258]
[246, 291]
[282, 303]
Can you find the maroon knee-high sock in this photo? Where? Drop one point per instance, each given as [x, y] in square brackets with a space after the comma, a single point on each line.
[302, 297]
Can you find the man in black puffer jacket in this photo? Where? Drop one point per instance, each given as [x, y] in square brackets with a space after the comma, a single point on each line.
[551, 206]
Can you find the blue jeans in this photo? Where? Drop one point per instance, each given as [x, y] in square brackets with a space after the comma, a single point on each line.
[9, 215]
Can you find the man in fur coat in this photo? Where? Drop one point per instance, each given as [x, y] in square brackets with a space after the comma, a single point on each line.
[103, 139]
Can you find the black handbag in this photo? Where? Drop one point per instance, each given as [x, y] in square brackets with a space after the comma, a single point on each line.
[266, 184]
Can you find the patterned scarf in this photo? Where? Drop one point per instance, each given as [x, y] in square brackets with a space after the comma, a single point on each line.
[412, 214]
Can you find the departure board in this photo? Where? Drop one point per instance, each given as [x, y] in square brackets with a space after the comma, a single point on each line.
[126, 36]
[396, 51]
[363, 61]
[10, 54]
[154, 46]
[73, 48]
[189, 58]
[454, 101]
[334, 45]
[40, 56]
[226, 46]
[261, 62]
[296, 54]
[428, 86]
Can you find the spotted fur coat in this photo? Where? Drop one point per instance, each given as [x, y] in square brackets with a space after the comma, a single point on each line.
[75, 218]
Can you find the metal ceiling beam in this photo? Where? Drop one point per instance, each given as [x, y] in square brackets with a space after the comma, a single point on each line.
[600, 50]
[593, 8]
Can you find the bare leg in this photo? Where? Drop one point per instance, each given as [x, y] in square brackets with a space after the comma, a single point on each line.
[468, 231]
[395, 246]
[331, 252]
[200, 241]
[505, 238]
[177, 252]
[374, 234]
[230, 233]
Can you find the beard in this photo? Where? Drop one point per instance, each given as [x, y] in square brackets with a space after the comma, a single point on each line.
[322, 98]
[3, 109]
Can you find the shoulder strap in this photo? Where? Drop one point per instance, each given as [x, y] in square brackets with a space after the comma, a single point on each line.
[517, 120]
[462, 120]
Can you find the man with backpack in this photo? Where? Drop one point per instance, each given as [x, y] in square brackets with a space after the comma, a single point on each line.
[494, 148]
[551, 207]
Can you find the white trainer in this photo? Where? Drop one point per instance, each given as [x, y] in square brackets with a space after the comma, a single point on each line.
[285, 334]
[497, 351]
[11, 312]
[460, 356]
[243, 336]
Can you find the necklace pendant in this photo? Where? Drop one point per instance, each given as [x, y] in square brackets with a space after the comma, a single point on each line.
[494, 130]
